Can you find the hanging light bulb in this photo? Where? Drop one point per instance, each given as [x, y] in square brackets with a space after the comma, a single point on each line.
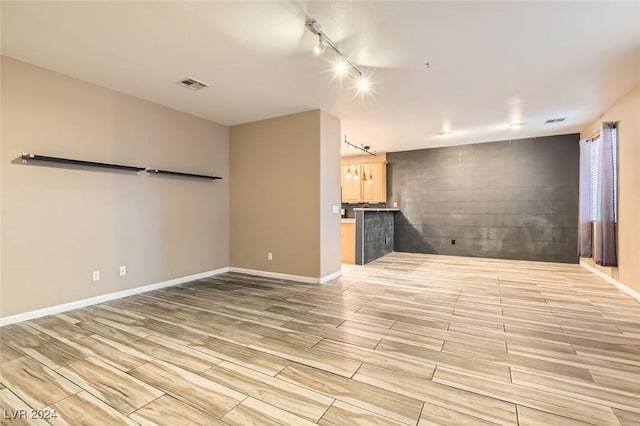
[364, 175]
[319, 48]
[370, 181]
[348, 175]
[356, 175]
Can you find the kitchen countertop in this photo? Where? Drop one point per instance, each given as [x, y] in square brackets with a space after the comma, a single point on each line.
[373, 209]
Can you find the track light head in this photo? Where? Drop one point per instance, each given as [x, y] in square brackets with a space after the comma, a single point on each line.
[319, 48]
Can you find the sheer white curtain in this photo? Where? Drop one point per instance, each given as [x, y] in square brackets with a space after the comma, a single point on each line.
[598, 197]
[606, 253]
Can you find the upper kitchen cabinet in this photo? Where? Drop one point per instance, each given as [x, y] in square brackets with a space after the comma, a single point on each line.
[374, 188]
[369, 187]
[351, 188]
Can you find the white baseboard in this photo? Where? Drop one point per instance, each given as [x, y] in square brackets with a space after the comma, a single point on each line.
[300, 278]
[330, 277]
[52, 310]
[631, 292]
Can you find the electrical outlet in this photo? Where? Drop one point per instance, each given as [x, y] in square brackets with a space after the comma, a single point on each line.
[335, 208]
[96, 275]
[269, 256]
[453, 242]
[123, 271]
[395, 205]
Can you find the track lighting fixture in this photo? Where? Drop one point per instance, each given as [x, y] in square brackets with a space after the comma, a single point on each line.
[344, 63]
[365, 149]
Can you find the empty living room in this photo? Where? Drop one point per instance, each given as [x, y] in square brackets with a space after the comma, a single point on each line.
[290, 212]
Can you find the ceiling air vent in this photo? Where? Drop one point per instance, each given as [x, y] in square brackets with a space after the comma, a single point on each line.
[193, 84]
[555, 120]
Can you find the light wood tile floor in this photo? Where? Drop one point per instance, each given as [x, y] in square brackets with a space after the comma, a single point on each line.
[408, 339]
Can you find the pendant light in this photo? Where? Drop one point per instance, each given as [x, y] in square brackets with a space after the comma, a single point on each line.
[364, 175]
[370, 181]
[356, 175]
[348, 175]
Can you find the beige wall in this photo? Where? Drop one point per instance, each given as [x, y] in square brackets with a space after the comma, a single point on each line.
[60, 224]
[1, 167]
[330, 256]
[627, 112]
[276, 195]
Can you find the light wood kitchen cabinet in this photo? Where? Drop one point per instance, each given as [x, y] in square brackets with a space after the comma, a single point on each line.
[375, 192]
[351, 188]
[349, 243]
[360, 190]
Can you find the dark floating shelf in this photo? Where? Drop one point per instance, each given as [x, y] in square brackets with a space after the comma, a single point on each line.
[35, 157]
[193, 175]
[26, 157]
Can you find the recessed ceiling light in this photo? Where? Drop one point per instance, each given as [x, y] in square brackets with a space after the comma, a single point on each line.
[193, 84]
[555, 120]
[515, 125]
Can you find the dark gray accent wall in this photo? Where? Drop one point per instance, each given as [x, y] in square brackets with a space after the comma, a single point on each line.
[378, 230]
[510, 200]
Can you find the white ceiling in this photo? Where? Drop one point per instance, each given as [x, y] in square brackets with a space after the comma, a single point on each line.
[490, 63]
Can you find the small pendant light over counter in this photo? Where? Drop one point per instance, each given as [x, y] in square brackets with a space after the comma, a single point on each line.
[356, 174]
